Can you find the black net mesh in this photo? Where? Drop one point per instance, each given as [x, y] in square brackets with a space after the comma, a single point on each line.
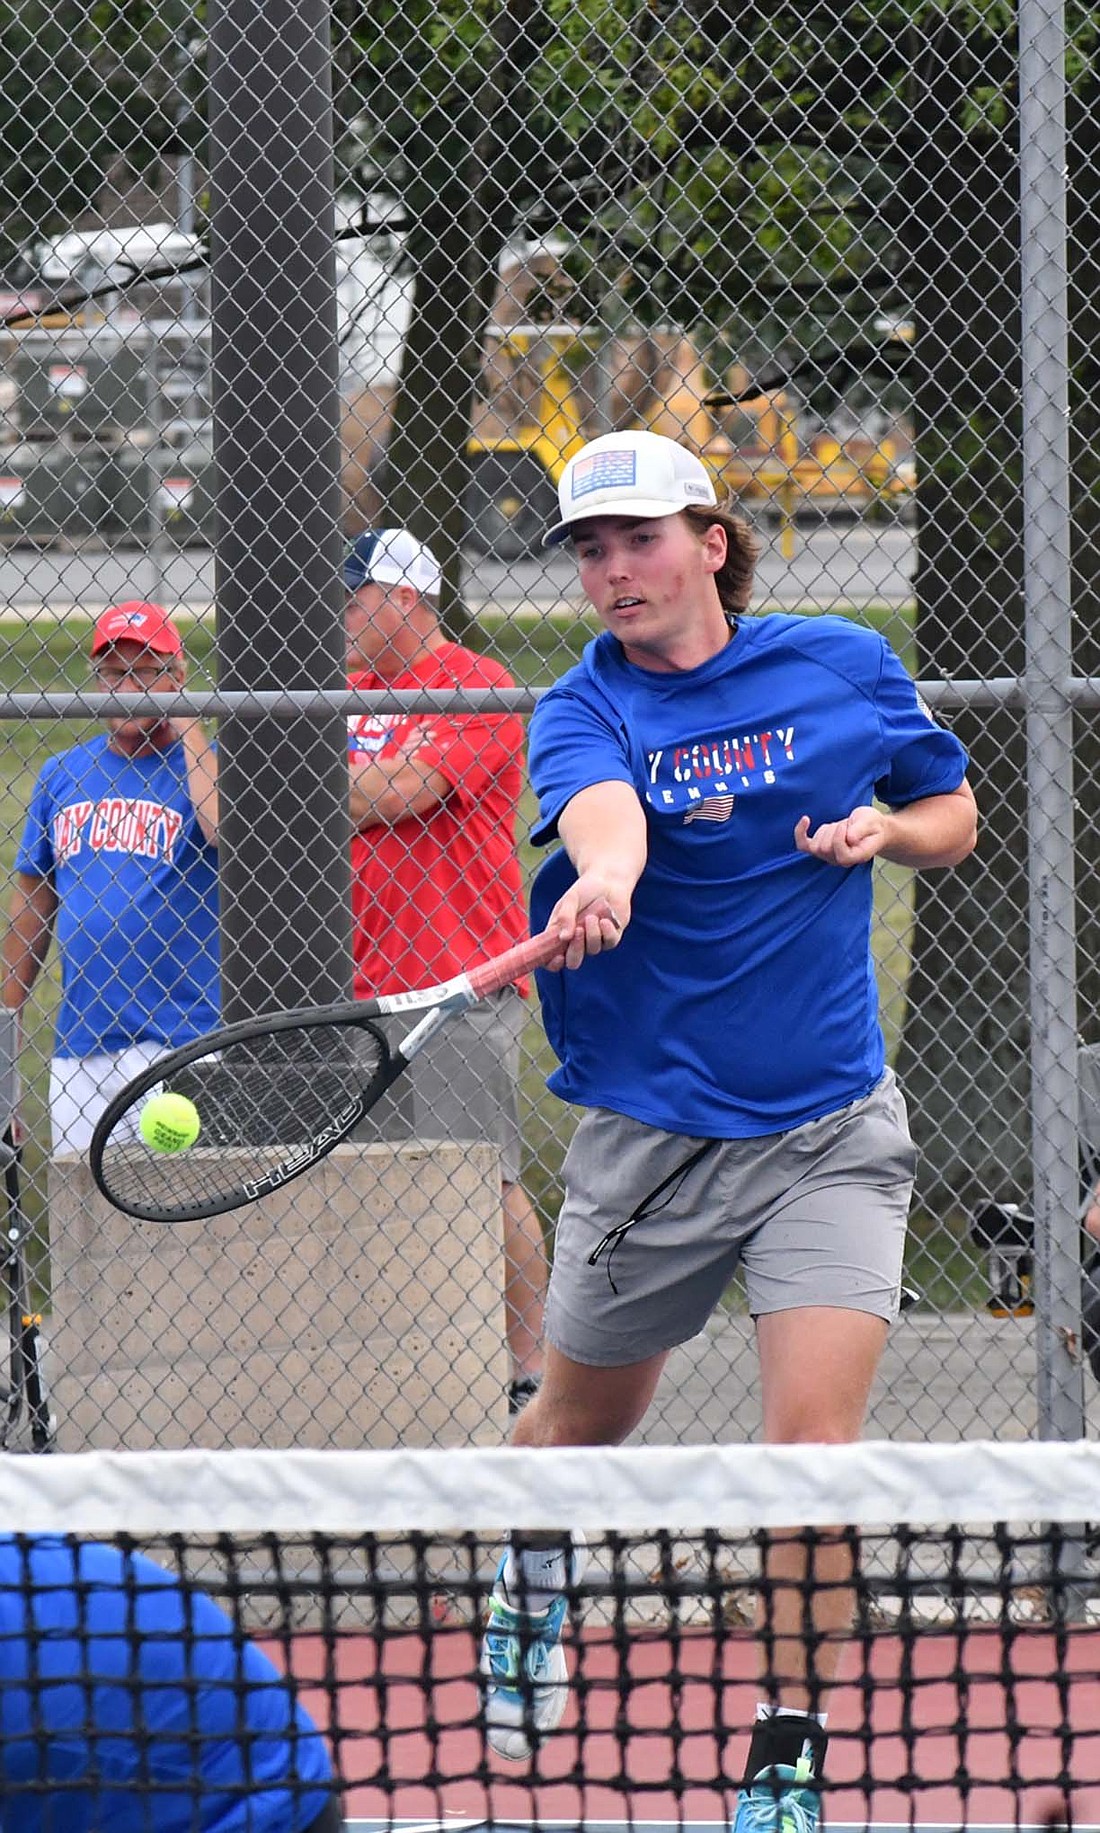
[957, 1662]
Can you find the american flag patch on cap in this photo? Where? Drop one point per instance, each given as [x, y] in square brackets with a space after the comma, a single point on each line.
[604, 471]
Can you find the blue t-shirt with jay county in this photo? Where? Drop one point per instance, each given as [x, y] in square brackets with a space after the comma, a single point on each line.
[136, 882]
[741, 999]
[129, 1704]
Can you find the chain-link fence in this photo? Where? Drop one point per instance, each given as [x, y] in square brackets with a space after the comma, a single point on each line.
[276, 277]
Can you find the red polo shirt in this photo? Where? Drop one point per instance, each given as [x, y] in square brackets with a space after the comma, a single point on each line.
[434, 894]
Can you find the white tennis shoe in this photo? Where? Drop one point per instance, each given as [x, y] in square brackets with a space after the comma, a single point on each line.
[523, 1664]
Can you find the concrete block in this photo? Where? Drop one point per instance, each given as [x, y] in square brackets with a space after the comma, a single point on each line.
[362, 1305]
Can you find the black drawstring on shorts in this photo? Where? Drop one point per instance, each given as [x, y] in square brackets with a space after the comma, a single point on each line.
[649, 1206]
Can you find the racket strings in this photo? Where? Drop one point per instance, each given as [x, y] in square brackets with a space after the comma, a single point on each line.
[260, 1102]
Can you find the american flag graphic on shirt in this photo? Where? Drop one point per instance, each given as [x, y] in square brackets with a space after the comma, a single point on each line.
[712, 808]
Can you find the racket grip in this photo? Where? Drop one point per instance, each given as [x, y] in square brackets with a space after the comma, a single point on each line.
[491, 976]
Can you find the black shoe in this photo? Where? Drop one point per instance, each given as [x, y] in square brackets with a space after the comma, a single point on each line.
[520, 1391]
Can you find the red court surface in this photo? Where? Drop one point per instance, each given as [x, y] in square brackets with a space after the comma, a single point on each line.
[966, 1730]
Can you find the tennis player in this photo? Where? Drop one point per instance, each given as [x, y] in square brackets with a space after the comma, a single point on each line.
[129, 1701]
[722, 786]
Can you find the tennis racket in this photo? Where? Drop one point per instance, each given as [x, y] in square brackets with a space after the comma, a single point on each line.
[276, 1094]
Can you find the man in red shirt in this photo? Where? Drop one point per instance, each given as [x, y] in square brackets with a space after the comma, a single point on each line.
[436, 885]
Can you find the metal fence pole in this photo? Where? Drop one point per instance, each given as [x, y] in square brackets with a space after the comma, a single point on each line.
[1047, 622]
[284, 837]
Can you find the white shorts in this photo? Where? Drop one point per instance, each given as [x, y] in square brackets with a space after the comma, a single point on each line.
[80, 1088]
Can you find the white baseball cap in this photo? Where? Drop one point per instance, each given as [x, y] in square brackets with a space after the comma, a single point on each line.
[392, 557]
[629, 474]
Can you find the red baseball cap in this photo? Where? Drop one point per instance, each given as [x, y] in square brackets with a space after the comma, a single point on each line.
[137, 622]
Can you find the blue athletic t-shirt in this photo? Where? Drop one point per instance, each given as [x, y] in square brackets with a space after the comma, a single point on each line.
[741, 999]
[135, 1704]
[137, 885]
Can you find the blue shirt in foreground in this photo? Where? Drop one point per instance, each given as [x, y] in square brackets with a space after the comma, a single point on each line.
[741, 1000]
[137, 889]
[128, 1703]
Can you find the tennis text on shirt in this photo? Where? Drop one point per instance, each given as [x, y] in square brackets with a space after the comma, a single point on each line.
[711, 768]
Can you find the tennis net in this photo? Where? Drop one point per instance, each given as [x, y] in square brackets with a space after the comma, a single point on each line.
[967, 1693]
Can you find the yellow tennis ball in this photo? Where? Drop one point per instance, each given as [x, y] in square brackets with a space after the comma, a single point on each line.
[169, 1123]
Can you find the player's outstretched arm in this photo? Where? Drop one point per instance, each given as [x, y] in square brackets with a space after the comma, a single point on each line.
[603, 829]
[936, 831]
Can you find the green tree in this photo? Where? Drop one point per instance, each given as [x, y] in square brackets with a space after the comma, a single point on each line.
[612, 123]
[82, 86]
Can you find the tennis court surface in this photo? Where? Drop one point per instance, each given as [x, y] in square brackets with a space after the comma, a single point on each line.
[967, 1695]
[672, 1826]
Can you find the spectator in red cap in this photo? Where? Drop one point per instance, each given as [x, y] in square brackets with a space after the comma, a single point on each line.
[118, 859]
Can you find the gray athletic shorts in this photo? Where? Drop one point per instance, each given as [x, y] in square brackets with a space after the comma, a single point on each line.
[462, 1085]
[654, 1225]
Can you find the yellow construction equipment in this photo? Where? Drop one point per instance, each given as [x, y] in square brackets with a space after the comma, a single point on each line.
[534, 415]
[528, 427]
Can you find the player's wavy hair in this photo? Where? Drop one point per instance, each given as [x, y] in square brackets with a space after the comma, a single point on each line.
[734, 580]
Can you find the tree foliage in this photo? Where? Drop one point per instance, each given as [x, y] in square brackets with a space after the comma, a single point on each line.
[82, 87]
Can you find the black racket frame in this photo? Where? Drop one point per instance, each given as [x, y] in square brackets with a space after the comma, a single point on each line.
[391, 1064]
